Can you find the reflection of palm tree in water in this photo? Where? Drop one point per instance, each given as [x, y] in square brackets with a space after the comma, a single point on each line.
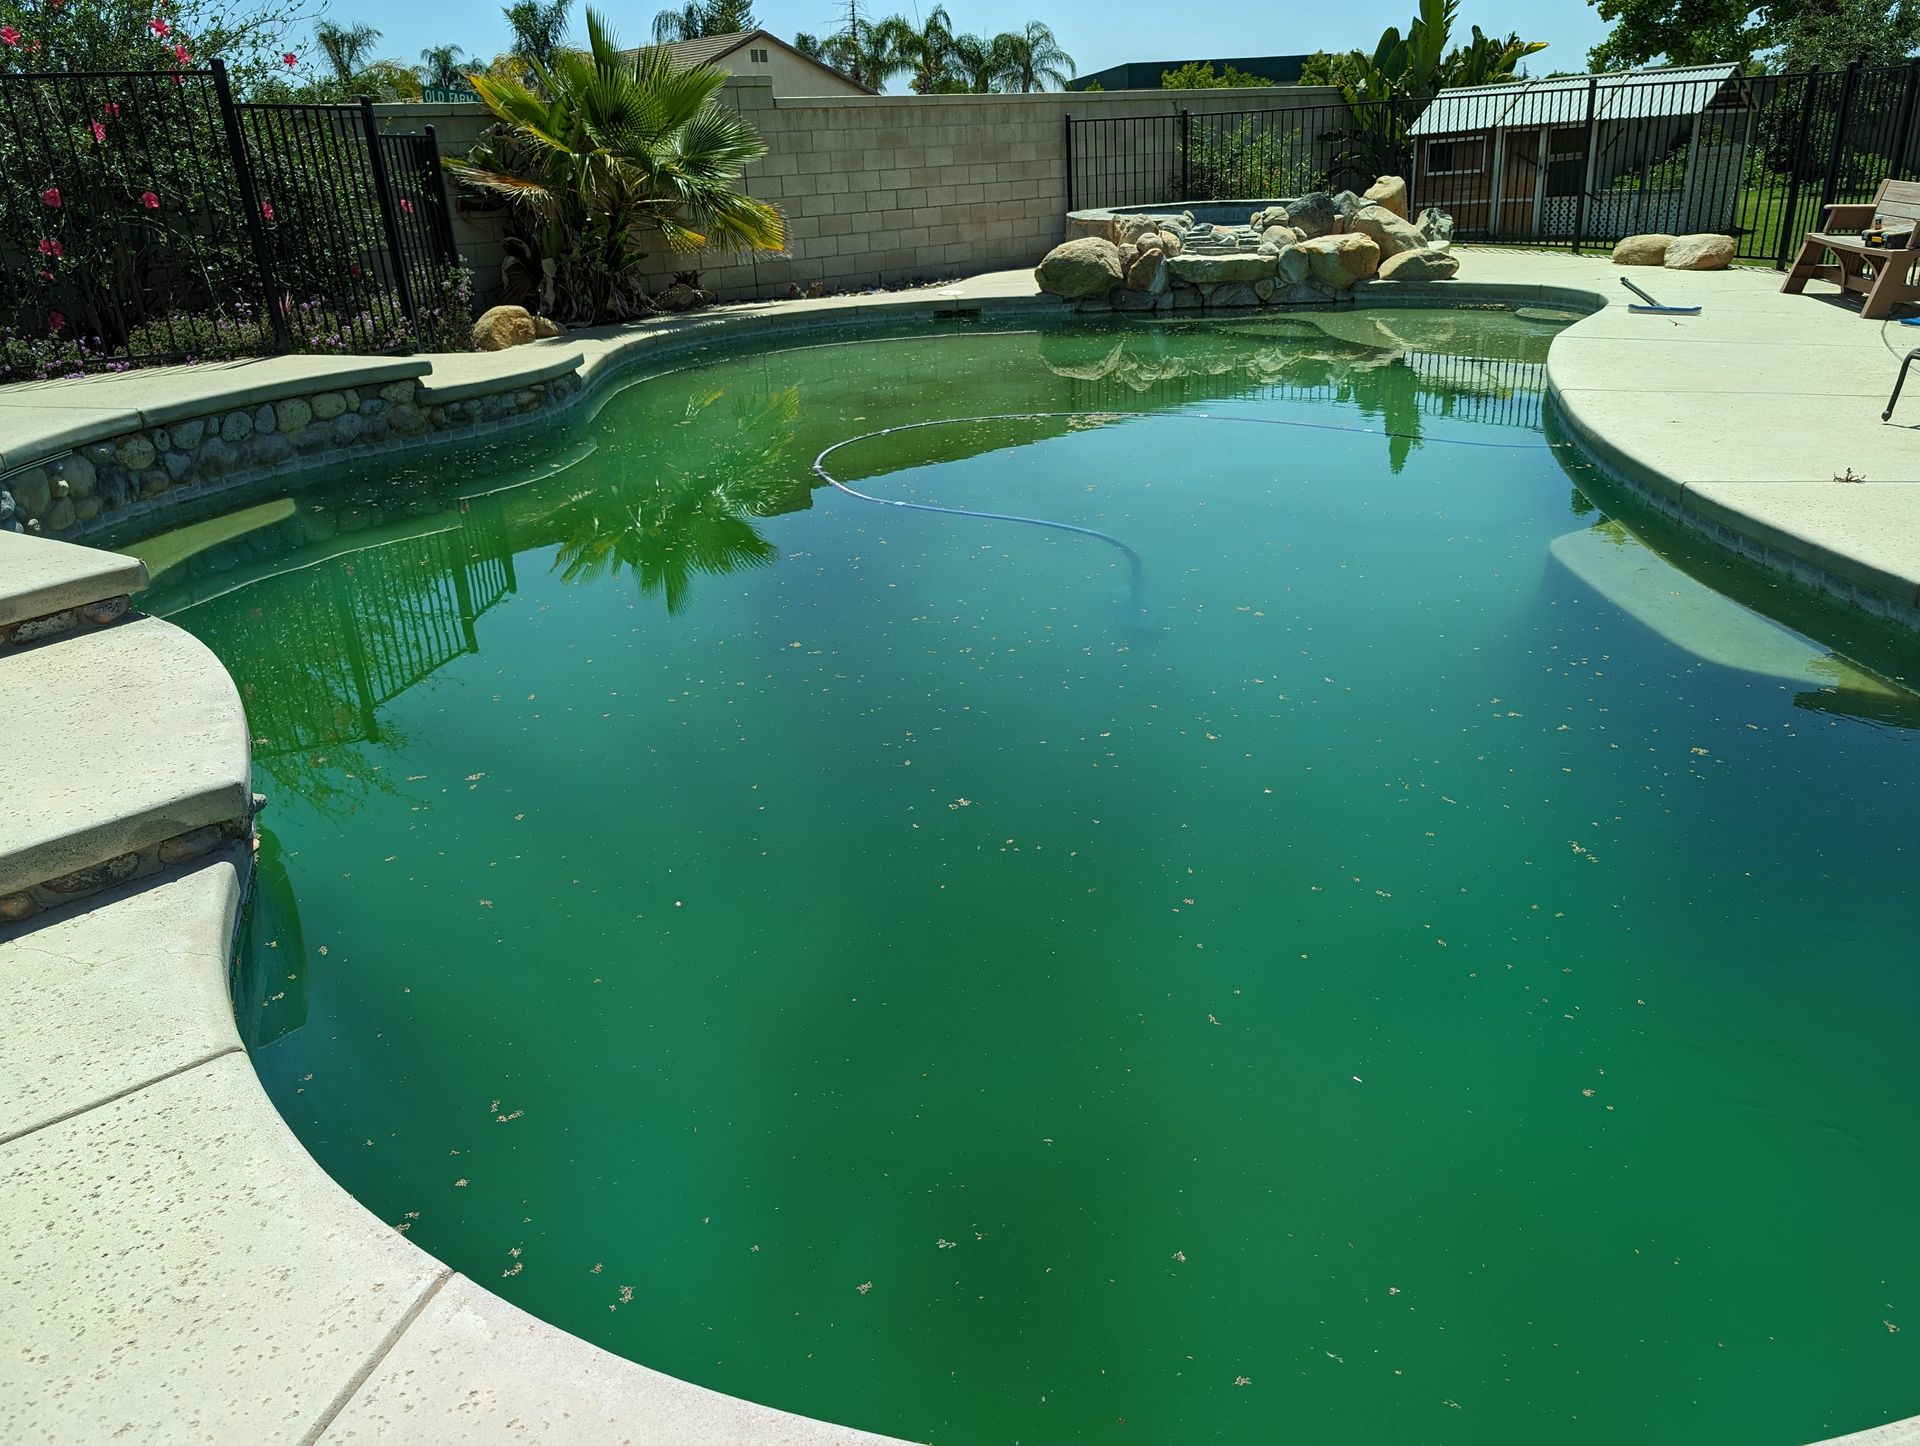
[693, 516]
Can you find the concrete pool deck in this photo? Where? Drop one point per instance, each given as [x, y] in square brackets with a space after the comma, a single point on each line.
[179, 1268]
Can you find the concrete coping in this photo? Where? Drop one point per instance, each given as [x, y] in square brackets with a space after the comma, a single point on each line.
[43, 420]
[184, 1268]
[458, 377]
[42, 575]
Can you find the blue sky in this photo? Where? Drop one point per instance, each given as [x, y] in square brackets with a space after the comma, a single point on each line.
[1095, 32]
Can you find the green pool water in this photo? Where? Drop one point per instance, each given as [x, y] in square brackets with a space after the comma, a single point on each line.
[1431, 961]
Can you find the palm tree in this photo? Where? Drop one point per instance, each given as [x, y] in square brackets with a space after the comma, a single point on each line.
[608, 150]
[346, 46]
[1035, 60]
[927, 51]
[700, 18]
[440, 65]
[538, 30]
[980, 61]
[870, 54]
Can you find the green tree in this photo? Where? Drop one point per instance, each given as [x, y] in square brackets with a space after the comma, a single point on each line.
[1323, 68]
[539, 31]
[698, 19]
[869, 54]
[979, 63]
[928, 50]
[1035, 60]
[1195, 75]
[347, 47]
[608, 152]
[440, 66]
[1836, 32]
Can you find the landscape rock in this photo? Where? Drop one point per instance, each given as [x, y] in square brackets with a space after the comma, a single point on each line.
[237, 427]
[1390, 232]
[1242, 267]
[328, 405]
[407, 419]
[500, 327]
[1291, 267]
[187, 435]
[81, 476]
[32, 491]
[59, 516]
[1148, 273]
[1700, 251]
[1390, 192]
[269, 449]
[1339, 260]
[178, 464]
[135, 453]
[263, 419]
[1171, 243]
[1346, 206]
[1648, 249]
[292, 414]
[546, 326]
[1424, 264]
[1079, 269]
[1314, 214]
[1125, 299]
[394, 393]
[1280, 235]
[216, 456]
[1233, 294]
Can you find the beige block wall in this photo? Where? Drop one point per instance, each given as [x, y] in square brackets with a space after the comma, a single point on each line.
[881, 190]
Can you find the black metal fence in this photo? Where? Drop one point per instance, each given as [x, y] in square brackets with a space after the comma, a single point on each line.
[1571, 162]
[145, 216]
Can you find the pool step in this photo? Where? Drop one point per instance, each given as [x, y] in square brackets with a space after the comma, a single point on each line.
[49, 587]
[126, 753]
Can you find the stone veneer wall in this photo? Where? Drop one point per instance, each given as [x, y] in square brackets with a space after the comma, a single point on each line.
[892, 188]
[105, 479]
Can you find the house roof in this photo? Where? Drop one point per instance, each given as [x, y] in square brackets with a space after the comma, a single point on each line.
[1681, 90]
[711, 49]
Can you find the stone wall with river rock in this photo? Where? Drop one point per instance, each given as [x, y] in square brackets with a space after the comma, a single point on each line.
[104, 481]
[1304, 252]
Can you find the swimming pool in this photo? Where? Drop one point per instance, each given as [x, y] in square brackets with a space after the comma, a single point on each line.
[1380, 943]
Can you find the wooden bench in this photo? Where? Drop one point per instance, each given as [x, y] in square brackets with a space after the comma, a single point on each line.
[1881, 273]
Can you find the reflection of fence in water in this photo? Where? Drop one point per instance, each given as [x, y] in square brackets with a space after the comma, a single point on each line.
[321, 648]
[1499, 393]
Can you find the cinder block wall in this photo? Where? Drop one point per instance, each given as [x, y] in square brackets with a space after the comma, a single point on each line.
[893, 188]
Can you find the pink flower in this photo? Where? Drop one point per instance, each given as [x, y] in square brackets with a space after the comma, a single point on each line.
[158, 26]
[44, 275]
[406, 205]
[289, 59]
[266, 210]
[182, 54]
[149, 200]
[50, 247]
[55, 321]
[111, 109]
[50, 198]
[99, 131]
[9, 34]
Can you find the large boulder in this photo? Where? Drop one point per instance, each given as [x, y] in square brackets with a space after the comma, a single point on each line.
[1131, 228]
[1081, 269]
[1239, 267]
[1647, 249]
[1701, 251]
[1424, 264]
[1346, 206]
[1390, 192]
[1390, 232]
[1280, 235]
[1340, 260]
[1148, 273]
[502, 327]
[1314, 214]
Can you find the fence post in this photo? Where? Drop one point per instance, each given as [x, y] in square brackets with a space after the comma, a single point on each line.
[1586, 167]
[1186, 151]
[1899, 150]
[383, 195]
[1790, 223]
[445, 227]
[250, 204]
[1068, 119]
[1849, 82]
